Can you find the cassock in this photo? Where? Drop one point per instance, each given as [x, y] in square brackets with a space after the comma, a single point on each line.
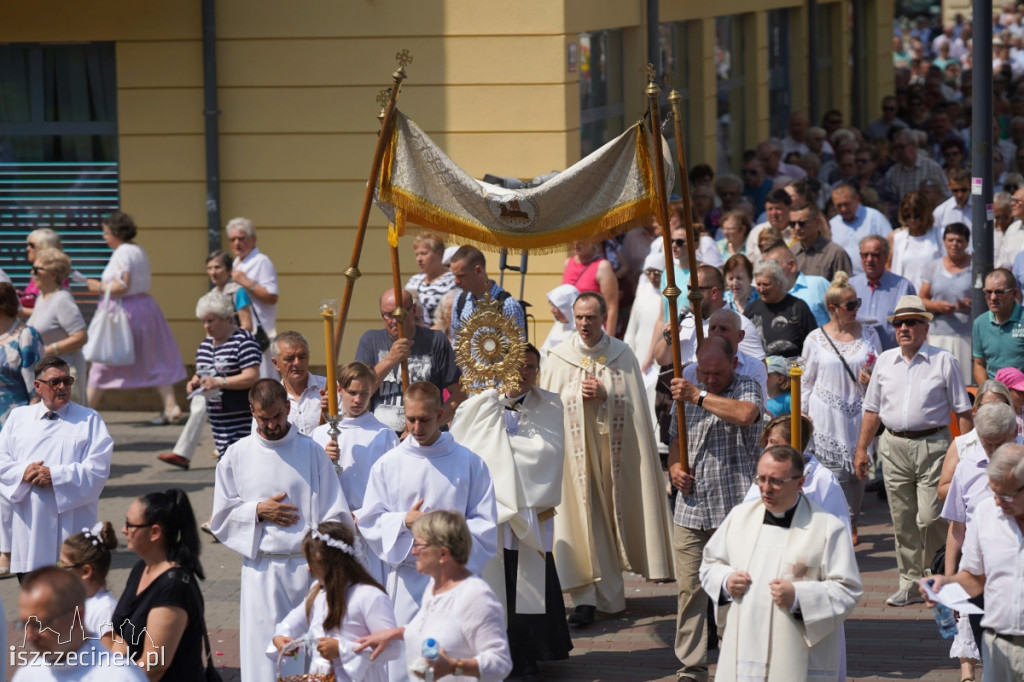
[77, 448]
[361, 442]
[763, 641]
[614, 512]
[275, 578]
[445, 475]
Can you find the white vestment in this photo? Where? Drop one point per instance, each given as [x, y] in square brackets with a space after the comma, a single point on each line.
[523, 449]
[367, 610]
[275, 578]
[765, 642]
[77, 448]
[445, 475]
[361, 442]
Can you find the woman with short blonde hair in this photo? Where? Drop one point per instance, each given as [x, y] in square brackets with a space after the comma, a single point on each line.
[434, 280]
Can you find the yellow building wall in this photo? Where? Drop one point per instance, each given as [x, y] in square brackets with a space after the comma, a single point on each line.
[297, 87]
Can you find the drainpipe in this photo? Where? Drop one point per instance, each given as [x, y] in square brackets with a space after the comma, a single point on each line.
[210, 114]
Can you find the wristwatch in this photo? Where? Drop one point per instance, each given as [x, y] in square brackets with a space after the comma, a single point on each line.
[458, 668]
[700, 398]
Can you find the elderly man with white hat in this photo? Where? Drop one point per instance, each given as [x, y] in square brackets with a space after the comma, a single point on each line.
[912, 391]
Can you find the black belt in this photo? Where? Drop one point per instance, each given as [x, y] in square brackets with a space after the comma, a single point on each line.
[1013, 639]
[916, 434]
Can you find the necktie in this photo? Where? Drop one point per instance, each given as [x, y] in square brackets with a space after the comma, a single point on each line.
[50, 414]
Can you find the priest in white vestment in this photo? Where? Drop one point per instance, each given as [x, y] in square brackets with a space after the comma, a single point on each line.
[427, 471]
[362, 440]
[789, 569]
[614, 512]
[271, 487]
[54, 461]
[521, 437]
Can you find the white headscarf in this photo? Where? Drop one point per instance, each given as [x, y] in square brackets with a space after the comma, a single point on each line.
[562, 297]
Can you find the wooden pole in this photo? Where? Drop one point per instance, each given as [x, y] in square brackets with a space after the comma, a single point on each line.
[352, 271]
[400, 311]
[696, 296]
[671, 292]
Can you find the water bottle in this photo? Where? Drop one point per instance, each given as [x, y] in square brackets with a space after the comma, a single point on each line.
[943, 616]
[431, 650]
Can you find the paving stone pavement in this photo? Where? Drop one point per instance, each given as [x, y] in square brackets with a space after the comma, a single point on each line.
[883, 643]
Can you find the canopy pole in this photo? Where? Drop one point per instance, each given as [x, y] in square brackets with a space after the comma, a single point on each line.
[400, 311]
[671, 292]
[387, 100]
[696, 296]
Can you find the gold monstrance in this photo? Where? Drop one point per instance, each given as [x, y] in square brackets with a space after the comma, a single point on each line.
[489, 348]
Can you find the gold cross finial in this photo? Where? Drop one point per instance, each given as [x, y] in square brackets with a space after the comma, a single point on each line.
[651, 73]
[404, 57]
[383, 96]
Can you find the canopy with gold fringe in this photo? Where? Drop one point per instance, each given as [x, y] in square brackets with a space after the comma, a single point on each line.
[608, 192]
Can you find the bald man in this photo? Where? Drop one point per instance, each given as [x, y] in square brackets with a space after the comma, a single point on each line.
[429, 356]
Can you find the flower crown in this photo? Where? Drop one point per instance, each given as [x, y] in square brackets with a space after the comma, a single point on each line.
[333, 542]
[94, 533]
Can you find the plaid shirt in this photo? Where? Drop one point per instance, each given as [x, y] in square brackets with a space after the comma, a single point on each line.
[723, 458]
[909, 179]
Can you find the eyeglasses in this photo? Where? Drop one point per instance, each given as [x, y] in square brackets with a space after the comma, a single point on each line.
[419, 546]
[29, 245]
[653, 273]
[774, 482]
[130, 526]
[1010, 498]
[799, 223]
[36, 269]
[995, 292]
[865, 255]
[910, 324]
[54, 383]
[68, 567]
[679, 242]
[850, 305]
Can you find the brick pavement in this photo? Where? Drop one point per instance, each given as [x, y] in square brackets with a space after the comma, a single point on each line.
[883, 643]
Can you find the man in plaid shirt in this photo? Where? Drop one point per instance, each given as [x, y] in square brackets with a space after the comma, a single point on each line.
[723, 414]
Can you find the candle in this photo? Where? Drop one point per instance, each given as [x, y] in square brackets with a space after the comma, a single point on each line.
[796, 370]
[327, 311]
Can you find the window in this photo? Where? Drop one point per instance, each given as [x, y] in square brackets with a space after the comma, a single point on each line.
[58, 152]
[601, 89]
[729, 60]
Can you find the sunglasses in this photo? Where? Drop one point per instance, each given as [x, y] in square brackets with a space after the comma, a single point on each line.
[36, 269]
[679, 242]
[799, 223]
[54, 383]
[909, 324]
[995, 292]
[850, 305]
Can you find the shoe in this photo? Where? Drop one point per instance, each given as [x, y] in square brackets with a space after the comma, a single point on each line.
[904, 598]
[176, 460]
[5, 566]
[164, 418]
[853, 529]
[582, 616]
[205, 527]
[874, 486]
[531, 672]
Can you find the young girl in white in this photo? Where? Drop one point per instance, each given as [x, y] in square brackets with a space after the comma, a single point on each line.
[88, 555]
[362, 441]
[346, 603]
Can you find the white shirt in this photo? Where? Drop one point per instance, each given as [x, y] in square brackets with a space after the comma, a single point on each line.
[848, 234]
[948, 212]
[77, 448]
[132, 259]
[749, 346]
[258, 267]
[994, 547]
[919, 394]
[304, 411]
[99, 613]
[1013, 243]
[970, 484]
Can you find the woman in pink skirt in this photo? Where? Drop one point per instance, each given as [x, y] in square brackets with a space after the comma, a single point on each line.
[157, 358]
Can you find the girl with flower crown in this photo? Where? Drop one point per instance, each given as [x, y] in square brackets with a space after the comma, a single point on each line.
[344, 604]
[87, 554]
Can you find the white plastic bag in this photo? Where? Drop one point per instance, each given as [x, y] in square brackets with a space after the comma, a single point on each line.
[110, 335]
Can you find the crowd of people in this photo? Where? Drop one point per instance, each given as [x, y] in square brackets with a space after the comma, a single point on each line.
[436, 531]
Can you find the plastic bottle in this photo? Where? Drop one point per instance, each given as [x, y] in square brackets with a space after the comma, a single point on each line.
[944, 617]
[431, 650]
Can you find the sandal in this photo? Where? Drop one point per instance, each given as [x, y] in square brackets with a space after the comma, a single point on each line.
[163, 418]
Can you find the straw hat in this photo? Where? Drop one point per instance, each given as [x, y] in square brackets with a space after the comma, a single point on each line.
[910, 306]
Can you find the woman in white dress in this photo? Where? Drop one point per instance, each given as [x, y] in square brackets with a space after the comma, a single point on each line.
[838, 358]
[459, 611]
[917, 242]
[344, 605]
[87, 554]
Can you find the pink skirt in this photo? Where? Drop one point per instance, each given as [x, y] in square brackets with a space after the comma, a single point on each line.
[157, 358]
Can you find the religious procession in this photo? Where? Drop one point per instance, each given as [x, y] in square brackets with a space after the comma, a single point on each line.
[754, 417]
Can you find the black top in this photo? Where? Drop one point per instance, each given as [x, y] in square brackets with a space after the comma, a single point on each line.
[173, 587]
[783, 326]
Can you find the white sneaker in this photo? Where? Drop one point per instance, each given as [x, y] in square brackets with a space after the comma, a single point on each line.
[904, 598]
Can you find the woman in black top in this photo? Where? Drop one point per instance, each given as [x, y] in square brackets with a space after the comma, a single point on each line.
[162, 594]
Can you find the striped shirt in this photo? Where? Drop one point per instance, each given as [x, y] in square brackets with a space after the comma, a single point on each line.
[229, 412]
[723, 458]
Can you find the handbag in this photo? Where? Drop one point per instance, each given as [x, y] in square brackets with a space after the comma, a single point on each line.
[881, 427]
[211, 674]
[110, 335]
[262, 340]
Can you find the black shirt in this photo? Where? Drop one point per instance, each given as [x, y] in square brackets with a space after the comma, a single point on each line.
[783, 326]
[173, 587]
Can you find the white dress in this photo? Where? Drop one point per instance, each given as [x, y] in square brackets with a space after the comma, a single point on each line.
[99, 613]
[833, 400]
[468, 622]
[367, 610]
[910, 255]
